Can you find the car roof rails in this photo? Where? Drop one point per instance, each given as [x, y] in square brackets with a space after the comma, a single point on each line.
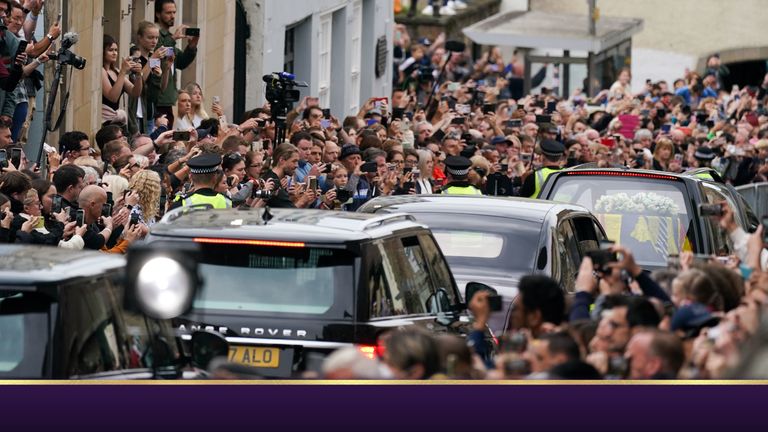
[385, 219]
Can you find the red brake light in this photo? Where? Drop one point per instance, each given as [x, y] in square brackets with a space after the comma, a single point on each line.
[248, 242]
[368, 351]
[623, 174]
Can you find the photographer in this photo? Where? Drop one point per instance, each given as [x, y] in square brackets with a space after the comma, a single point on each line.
[741, 240]
[284, 163]
[100, 230]
[10, 68]
[54, 228]
[609, 272]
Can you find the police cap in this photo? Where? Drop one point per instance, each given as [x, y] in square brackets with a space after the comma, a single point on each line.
[206, 163]
[457, 165]
[551, 148]
[704, 153]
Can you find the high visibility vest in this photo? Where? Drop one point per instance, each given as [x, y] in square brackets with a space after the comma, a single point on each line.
[462, 190]
[541, 176]
[218, 201]
[704, 176]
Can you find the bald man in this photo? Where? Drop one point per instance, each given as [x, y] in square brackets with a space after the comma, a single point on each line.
[331, 152]
[91, 201]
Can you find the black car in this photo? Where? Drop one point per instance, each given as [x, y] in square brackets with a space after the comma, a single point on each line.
[497, 240]
[62, 317]
[286, 286]
[656, 214]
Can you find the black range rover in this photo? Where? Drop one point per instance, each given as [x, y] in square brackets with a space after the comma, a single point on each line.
[289, 287]
[62, 316]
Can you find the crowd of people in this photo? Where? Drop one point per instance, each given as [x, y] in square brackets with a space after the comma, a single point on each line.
[465, 130]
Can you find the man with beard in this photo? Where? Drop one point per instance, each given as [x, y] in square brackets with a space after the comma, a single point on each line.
[165, 17]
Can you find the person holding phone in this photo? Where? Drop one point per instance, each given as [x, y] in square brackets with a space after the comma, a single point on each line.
[114, 82]
[165, 17]
[100, 229]
[56, 217]
[143, 196]
[141, 110]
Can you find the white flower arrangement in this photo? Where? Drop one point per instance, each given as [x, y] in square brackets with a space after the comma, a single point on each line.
[641, 203]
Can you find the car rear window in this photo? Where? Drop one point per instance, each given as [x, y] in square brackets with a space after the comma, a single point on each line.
[484, 241]
[277, 280]
[649, 216]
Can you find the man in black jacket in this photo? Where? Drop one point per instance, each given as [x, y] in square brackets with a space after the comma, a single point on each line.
[68, 180]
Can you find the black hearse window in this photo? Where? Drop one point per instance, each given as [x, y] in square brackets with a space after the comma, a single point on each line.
[92, 332]
[24, 333]
[440, 273]
[407, 275]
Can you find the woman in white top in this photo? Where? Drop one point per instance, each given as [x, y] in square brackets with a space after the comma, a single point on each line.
[424, 184]
[621, 88]
[198, 110]
[183, 115]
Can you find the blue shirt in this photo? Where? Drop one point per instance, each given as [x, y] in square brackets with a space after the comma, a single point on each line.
[302, 170]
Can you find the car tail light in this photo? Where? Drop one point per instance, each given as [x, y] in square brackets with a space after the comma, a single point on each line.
[372, 351]
[368, 351]
[622, 174]
[248, 242]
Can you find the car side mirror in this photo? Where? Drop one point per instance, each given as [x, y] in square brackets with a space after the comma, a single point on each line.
[206, 346]
[161, 359]
[440, 303]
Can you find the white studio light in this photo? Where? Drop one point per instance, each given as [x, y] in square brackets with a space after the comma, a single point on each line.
[163, 287]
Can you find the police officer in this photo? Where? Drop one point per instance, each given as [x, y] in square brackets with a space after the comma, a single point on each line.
[704, 157]
[205, 171]
[457, 169]
[553, 155]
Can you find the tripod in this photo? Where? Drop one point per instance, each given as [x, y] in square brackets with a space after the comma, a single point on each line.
[279, 117]
[49, 126]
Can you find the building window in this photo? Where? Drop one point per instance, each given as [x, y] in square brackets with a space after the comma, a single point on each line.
[324, 60]
[290, 37]
[356, 29]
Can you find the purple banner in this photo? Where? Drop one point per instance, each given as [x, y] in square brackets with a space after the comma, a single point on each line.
[369, 408]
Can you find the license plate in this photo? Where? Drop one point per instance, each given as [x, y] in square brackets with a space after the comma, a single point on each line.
[255, 356]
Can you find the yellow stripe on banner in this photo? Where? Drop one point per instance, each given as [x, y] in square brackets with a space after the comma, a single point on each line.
[642, 231]
[612, 225]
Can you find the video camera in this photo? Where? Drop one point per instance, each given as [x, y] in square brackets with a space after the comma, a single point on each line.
[280, 88]
[67, 57]
[281, 95]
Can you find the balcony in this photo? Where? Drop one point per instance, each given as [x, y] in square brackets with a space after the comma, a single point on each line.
[431, 26]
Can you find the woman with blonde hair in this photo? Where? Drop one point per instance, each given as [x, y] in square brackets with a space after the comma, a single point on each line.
[182, 112]
[425, 182]
[144, 198]
[198, 107]
[478, 172]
